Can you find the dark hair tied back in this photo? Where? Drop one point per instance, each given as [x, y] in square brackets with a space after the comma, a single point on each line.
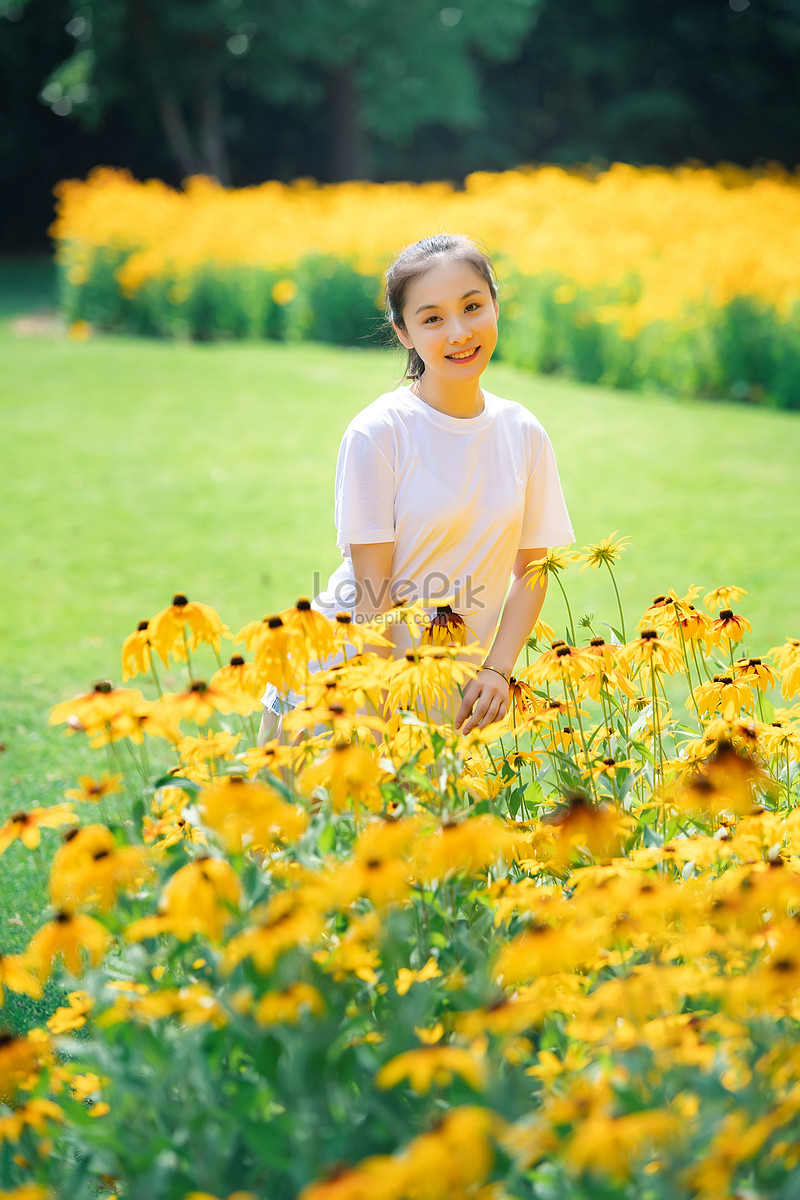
[418, 258]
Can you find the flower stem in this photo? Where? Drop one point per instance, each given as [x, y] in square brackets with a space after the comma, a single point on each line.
[619, 601]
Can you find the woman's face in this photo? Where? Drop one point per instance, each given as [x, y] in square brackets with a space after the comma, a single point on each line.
[450, 320]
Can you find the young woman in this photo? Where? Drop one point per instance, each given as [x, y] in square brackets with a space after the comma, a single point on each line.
[444, 492]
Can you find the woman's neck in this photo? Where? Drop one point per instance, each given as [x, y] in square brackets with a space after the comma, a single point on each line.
[461, 400]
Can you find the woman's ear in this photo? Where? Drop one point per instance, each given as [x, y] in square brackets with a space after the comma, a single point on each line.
[496, 308]
[402, 336]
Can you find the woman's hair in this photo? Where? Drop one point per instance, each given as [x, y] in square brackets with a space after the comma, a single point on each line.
[418, 258]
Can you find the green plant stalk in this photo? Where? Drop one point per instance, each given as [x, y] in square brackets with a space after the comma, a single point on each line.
[702, 661]
[685, 655]
[154, 674]
[569, 610]
[584, 743]
[619, 601]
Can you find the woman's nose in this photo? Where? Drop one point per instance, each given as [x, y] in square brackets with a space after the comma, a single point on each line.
[460, 331]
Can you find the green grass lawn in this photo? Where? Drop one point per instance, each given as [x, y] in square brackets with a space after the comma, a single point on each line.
[130, 469]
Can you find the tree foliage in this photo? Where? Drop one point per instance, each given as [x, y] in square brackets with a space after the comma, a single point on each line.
[255, 89]
[385, 67]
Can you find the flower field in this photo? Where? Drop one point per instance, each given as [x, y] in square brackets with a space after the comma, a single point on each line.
[683, 280]
[556, 958]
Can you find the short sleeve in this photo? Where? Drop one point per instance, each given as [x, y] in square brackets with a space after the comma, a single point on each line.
[364, 507]
[545, 521]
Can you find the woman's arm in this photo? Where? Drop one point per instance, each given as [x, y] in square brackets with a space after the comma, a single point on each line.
[372, 571]
[486, 696]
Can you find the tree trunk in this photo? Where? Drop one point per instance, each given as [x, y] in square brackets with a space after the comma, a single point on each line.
[350, 156]
[212, 139]
[176, 132]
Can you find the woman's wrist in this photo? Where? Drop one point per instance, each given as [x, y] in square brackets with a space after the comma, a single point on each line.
[486, 666]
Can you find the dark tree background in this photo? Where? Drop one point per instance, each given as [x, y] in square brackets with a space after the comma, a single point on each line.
[248, 90]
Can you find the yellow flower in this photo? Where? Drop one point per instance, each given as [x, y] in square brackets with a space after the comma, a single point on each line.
[432, 1066]
[727, 629]
[277, 652]
[787, 660]
[612, 1144]
[105, 714]
[72, 1016]
[468, 845]
[314, 631]
[652, 651]
[406, 977]
[89, 868]
[136, 652]
[272, 757]
[287, 1006]
[425, 676]
[194, 751]
[239, 676]
[85, 1085]
[556, 560]
[168, 628]
[250, 815]
[349, 773]
[289, 919]
[429, 1037]
[92, 790]
[447, 628]
[723, 597]
[605, 552]
[560, 662]
[607, 768]
[727, 781]
[201, 897]
[26, 826]
[201, 700]
[67, 935]
[33, 1114]
[19, 1060]
[15, 977]
[722, 694]
[359, 636]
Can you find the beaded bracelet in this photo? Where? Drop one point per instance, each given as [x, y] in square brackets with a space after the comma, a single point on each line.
[497, 671]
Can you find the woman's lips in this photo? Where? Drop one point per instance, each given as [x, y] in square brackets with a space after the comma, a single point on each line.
[463, 356]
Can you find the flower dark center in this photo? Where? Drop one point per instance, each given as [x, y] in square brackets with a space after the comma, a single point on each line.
[199, 686]
[303, 605]
[726, 614]
[275, 623]
[142, 626]
[237, 660]
[179, 600]
[649, 635]
[104, 686]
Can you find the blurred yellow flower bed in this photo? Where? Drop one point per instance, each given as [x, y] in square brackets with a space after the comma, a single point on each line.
[692, 233]
[629, 247]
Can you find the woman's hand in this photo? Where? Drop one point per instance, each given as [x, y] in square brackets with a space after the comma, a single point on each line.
[485, 700]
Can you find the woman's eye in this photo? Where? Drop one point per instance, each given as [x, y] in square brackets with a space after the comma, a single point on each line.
[473, 304]
[430, 319]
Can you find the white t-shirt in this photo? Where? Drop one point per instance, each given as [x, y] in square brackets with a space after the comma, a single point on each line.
[457, 498]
